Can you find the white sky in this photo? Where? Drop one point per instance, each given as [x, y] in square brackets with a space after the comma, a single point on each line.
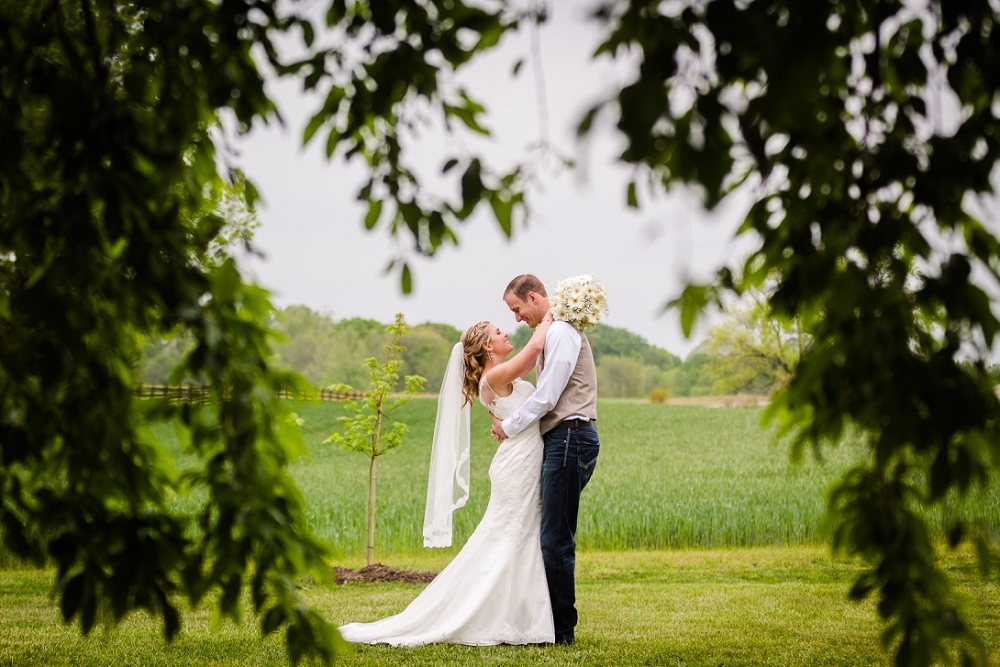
[317, 252]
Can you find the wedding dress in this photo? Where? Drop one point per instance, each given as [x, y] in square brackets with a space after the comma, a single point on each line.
[494, 591]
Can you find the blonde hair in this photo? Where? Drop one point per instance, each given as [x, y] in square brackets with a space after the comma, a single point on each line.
[474, 342]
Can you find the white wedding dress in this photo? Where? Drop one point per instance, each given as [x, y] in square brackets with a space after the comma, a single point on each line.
[494, 591]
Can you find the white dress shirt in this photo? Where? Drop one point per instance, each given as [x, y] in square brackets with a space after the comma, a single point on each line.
[562, 349]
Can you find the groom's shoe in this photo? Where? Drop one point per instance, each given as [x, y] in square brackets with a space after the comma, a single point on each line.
[565, 639]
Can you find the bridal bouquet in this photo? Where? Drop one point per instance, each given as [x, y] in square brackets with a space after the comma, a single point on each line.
[581, 301]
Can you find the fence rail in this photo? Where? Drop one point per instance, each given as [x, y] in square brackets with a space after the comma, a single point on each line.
[202, 394]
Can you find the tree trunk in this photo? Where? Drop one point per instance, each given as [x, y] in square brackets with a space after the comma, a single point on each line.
[370, 515]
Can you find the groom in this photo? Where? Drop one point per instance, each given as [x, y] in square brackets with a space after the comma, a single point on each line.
[565, 401]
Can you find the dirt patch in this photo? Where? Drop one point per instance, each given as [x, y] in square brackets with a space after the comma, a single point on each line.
[378, 572]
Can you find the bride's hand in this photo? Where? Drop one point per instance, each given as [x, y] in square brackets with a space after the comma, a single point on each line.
[497, 430]
[546, 322]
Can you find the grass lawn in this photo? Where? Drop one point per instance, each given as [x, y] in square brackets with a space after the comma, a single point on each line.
[750, 606]
[699, 545]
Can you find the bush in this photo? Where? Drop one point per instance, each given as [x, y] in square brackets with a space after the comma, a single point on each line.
[658, 395]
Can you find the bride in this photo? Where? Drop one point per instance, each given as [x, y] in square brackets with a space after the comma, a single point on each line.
[494, 591]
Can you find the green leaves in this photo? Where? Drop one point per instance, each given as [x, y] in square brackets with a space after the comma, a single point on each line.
[406, 280]
[374, 211]
[150, 222]
[403, 57]
[468, 112]
[472, 189]
[692, 302]
[855, 188]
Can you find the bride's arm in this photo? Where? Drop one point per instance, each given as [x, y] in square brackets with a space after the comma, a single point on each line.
[521, 364]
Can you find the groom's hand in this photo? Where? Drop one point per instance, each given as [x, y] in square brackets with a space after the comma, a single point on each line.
[497, 429]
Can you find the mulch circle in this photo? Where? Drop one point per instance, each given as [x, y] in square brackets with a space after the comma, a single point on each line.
[379, 572]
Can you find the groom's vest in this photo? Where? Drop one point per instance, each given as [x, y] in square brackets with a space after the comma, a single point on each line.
[580, 395]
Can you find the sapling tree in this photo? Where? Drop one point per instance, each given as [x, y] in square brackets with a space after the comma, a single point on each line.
[368, 432]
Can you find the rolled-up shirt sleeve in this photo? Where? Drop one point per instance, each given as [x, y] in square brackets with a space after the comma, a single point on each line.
[562, 349]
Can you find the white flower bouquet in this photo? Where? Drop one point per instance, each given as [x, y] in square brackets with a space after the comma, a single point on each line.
[581, 301]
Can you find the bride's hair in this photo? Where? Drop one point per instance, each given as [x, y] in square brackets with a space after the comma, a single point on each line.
[474, 342]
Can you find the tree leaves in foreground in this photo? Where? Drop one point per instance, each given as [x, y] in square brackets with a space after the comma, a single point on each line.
[867, 221]
[111, 208]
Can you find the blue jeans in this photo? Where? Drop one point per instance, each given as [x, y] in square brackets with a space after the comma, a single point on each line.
[569, 461]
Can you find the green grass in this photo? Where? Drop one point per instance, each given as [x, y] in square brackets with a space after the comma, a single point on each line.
[660, 582]
[754, 606]
[667, 477]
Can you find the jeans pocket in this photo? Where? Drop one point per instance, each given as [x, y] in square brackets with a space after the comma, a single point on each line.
[586, 460]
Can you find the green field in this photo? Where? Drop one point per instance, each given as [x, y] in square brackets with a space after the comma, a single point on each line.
[699, 545]
[667, 477]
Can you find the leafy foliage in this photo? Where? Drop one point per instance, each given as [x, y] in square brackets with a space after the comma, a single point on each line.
[832, 106]
[387, 70]
[364, 432]
[111, 219]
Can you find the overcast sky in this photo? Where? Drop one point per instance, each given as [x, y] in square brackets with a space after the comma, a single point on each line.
[317, 252]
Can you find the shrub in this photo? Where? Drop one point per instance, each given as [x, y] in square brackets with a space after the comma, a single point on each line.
[658, 395]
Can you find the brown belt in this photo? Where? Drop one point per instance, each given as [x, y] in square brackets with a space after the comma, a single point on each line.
[576, 423]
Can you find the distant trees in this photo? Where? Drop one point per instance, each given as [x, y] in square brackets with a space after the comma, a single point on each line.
[744, 354]
[620, 376]
[690, 378]
[427, 349]
[325, 351]
[751, 351]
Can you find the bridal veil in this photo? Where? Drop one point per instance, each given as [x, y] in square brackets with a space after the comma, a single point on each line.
[448, 481]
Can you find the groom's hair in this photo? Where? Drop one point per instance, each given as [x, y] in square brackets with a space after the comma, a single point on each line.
[523, 284]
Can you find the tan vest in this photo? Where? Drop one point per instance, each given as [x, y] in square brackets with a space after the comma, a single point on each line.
[580, 395]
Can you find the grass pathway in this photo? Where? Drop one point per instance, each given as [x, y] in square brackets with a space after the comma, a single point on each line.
[754, 606]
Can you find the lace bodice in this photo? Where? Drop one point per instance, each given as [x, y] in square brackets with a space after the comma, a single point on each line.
[505, 406]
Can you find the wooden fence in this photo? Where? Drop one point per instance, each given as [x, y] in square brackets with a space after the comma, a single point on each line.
[202, 394]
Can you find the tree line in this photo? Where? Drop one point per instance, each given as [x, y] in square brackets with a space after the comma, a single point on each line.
[328, 351]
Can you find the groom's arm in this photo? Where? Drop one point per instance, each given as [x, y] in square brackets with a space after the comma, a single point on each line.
[562, 349]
